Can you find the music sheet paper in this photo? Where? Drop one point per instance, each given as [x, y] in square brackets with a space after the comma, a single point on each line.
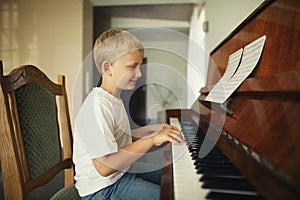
[228, 84]
[217, 94]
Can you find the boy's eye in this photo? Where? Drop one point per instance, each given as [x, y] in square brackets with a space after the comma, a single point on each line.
[133, 66]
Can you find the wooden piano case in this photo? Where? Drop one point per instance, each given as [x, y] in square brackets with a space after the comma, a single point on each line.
[261, 135]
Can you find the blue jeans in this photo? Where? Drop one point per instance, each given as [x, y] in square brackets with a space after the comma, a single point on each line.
[131, 186]
[142, 181]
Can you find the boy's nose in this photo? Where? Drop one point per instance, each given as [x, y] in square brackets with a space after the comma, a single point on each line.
[138, 72]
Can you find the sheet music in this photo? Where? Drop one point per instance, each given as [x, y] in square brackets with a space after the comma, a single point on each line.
[217, 94]
[225, 87]
[232, 65]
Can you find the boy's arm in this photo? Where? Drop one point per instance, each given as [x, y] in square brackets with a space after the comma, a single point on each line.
[128, 154]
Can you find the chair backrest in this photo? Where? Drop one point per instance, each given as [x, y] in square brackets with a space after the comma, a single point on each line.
[36, 136]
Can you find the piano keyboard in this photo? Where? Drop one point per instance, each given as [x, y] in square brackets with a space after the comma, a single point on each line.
[210, 177]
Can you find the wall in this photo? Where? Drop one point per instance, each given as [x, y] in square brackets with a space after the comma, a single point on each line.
[48, 34]
[166, 75]
[224, 17]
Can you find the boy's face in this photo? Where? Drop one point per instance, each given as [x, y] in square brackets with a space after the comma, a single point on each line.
[126, 70]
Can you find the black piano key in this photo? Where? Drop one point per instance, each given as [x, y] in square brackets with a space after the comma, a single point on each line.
[227, 184]
[213, 157]
[228, 196]
[220, 163]
[216, 165]
[206, 178]
[209, 153]
[218, 172]
[222, 176]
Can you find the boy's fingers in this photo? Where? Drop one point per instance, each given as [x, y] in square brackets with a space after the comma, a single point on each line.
[177, 137]
[178, 132]
[167, 125]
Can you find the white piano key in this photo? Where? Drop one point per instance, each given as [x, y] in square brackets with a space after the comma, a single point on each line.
[186, 181]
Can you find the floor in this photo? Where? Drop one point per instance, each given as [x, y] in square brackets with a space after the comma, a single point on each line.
[43, 193]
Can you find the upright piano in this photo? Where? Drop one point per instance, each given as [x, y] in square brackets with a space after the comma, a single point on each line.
[257, 131]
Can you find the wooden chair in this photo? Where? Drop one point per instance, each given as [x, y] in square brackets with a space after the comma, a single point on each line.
[36, 135]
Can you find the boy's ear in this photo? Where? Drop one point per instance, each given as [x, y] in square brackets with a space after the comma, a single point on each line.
[106, 67]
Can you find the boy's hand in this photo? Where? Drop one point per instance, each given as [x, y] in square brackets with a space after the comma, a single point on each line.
[167, 134]
[159, 127]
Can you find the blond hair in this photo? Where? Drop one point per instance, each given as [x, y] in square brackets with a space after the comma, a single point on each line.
[112, 44]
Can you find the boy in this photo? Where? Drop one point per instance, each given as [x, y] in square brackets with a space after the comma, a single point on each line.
[103, 146]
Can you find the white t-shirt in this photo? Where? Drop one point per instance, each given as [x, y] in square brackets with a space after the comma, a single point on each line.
[101, 127]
